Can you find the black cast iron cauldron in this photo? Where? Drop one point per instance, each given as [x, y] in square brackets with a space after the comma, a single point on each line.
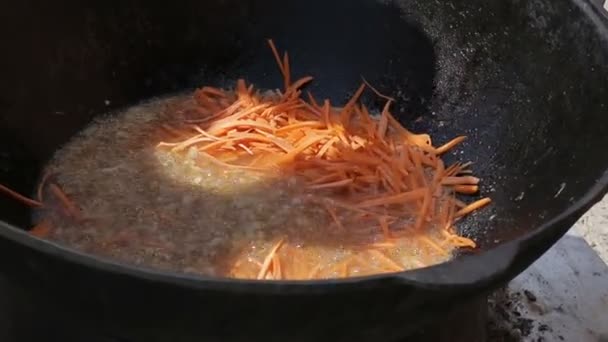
[527, 81]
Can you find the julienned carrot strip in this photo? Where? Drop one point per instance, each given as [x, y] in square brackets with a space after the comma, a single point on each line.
[301, 82]
[217, 128]
[383, 124]
[302, 145]
[275, 52]
[326, 114]
[332, 177]
[466, 189]
[269, 258]
[276, 267]
[40, 191]
[390, 178]
[187, 144]
[334, 216]
[336, 184]
[450, 145]
[23, 199]
[287, 74]
[300, 125]
[388, 98]
[213, 91]
[41, 230]
[473, 206]
[382, 245]
[385, 227]
[421, 218]
[465, 180]
[239, 124]
[461, 241]
[323, 150]
[452, 169]
[67, 203]
[345, 114]
[247, 149]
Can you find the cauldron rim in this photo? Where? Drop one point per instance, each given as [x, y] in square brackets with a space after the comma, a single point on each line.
[469, 271]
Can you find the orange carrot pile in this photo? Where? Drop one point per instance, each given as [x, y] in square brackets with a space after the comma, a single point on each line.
[365, 169]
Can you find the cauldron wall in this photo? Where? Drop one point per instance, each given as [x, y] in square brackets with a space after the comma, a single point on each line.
[525, 80]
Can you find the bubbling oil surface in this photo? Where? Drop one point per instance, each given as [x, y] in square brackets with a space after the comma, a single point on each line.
[172, 211]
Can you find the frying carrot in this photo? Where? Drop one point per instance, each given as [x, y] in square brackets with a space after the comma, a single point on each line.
[347, 110]
[301, 82]
[334, 216]
[287, 70]
[213, 91]
[40, 192]
[71, 208]
[276, 267]
[275, 52]
[388, 98]
[41, 230]
[382, 245]
[385, 228]
[336, 184]
[450, 145]
[371, 168]
[466, 189]
[473, 206]
[466, 180]
[269, 258]
[23, 199]
[383, 124]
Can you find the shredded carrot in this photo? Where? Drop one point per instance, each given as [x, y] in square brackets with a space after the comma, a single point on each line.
[23, 199]
[213, 91]
[335, 184]
[468, 180]
[466, 189]
[71, 208]
[41, 230]
[269, 258]
[473, 206]
[450, 145]
[368, 168]
[385, 227]
[334, 216]
[275, 52]
[276, 267]
[388, 98]
[40, 192]
[382, 245]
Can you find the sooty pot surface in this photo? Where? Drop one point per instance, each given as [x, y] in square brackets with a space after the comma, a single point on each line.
[524, 80]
